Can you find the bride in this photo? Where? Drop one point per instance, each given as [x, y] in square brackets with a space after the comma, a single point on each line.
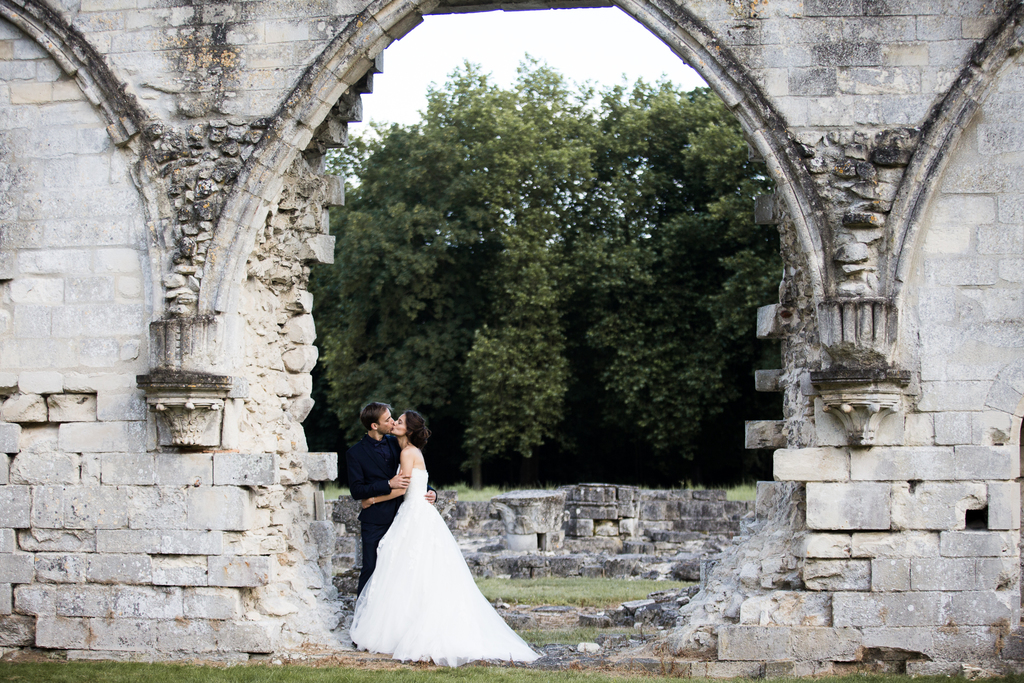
[421, 602]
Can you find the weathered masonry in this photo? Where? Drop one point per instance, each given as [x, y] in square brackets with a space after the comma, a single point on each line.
[163, 198]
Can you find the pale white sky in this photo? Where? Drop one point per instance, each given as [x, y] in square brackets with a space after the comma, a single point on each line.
[598, 45]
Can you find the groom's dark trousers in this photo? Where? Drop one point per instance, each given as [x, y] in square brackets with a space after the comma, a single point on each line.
[370, 466]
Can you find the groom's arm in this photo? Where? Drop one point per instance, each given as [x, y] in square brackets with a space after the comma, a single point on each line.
[360, 486]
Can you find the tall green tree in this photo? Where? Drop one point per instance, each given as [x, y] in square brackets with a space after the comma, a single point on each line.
[552, 277]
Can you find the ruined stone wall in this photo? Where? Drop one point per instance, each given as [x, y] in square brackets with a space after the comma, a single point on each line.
[163, 199]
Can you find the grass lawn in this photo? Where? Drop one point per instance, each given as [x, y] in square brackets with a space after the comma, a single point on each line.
[579, 592]
[107, 672]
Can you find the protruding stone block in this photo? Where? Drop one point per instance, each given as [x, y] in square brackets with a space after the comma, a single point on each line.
[239, 570]
[24, 408]
[300, 330]
[765, 434]
[245, 469]
[71, 407]
[320, 466]
[43, 382]
[837, 575]
[301, 359]
[221, 508]
[812, 464]
[841, 507]
[901, 464]
[768, 380]
[935, 505]
[986, 462]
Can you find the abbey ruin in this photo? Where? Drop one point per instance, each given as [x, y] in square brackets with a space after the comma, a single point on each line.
[163, 198]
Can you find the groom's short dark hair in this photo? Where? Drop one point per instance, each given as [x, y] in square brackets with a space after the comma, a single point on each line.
[371, 413]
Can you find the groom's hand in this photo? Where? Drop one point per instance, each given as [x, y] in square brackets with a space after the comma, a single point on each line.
[431, 496]
[399, 481]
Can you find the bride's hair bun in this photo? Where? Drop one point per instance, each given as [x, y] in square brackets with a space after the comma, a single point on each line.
[417, 429]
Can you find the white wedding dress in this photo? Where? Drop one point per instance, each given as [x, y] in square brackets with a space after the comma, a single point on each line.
[421, 602]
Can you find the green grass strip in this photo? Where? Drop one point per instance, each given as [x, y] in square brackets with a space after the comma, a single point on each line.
[577, 592]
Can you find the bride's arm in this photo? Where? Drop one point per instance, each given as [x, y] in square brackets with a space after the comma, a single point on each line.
[406, 460]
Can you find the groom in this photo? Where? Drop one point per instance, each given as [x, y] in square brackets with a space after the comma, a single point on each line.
[372, 466]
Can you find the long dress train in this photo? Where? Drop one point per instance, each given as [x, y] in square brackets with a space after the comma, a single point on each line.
[421, 602]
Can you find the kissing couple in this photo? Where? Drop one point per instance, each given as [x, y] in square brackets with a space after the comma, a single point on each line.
[417, 600]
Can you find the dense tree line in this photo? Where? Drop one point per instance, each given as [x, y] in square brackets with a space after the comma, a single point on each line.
[563, 281]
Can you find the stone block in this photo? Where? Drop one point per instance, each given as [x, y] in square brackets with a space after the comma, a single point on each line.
[57, 541]
[897, 544]
[580, 527]
[901, 464]
[320, 466]
[15, 506]
[1004, 505]
[118, 406]
[184, 469]
[17, 631]
[16, 568]
[578, 511]
[986, 462]
[837, 575]
[118, 568]
[10, 434]
[221, 508]
[182, 542]
[246, 637]
[128, 468]
[301, 359]
[1001, 573]
[239, 571]
[25, 408]
[758, 643]
[982, 608]
[85, 600]
[128, 541]
[888, 609]
[764, 434]
[132, 635]
[889, 574]
[193, 636]
[935, 505]
[42, 382]
[37, 599]
[147, 602]
[95, 507]
[62, 633]
[8, 541]
[812, 464]
[787, 608]
[60, 567]
[180, 570]
[847, 506]
[5, 470]
[156, 507]
[245, 469]
[942, 574]
[300, 330]
[7, 599]
[977, 544]
[44, 467]
[47, 507]
[71, 407]
[212, 603]
[103, 437]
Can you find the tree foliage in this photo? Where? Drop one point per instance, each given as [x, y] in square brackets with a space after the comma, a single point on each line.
[556, 277]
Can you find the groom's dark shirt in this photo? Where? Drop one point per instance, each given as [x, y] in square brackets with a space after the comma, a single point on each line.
[371, 463]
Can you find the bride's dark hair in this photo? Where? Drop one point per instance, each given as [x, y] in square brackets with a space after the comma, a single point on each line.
[416, 427]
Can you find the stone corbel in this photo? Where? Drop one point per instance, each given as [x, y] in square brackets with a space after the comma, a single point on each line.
[861, 399]
[189, 407]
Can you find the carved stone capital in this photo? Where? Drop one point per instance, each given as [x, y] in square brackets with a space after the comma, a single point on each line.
[861, 399]
[858, 332]
[189, 406]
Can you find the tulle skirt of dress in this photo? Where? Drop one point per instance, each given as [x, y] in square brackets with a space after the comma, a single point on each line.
[421, 602]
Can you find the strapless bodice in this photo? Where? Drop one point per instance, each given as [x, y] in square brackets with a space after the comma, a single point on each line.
[417, 484]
